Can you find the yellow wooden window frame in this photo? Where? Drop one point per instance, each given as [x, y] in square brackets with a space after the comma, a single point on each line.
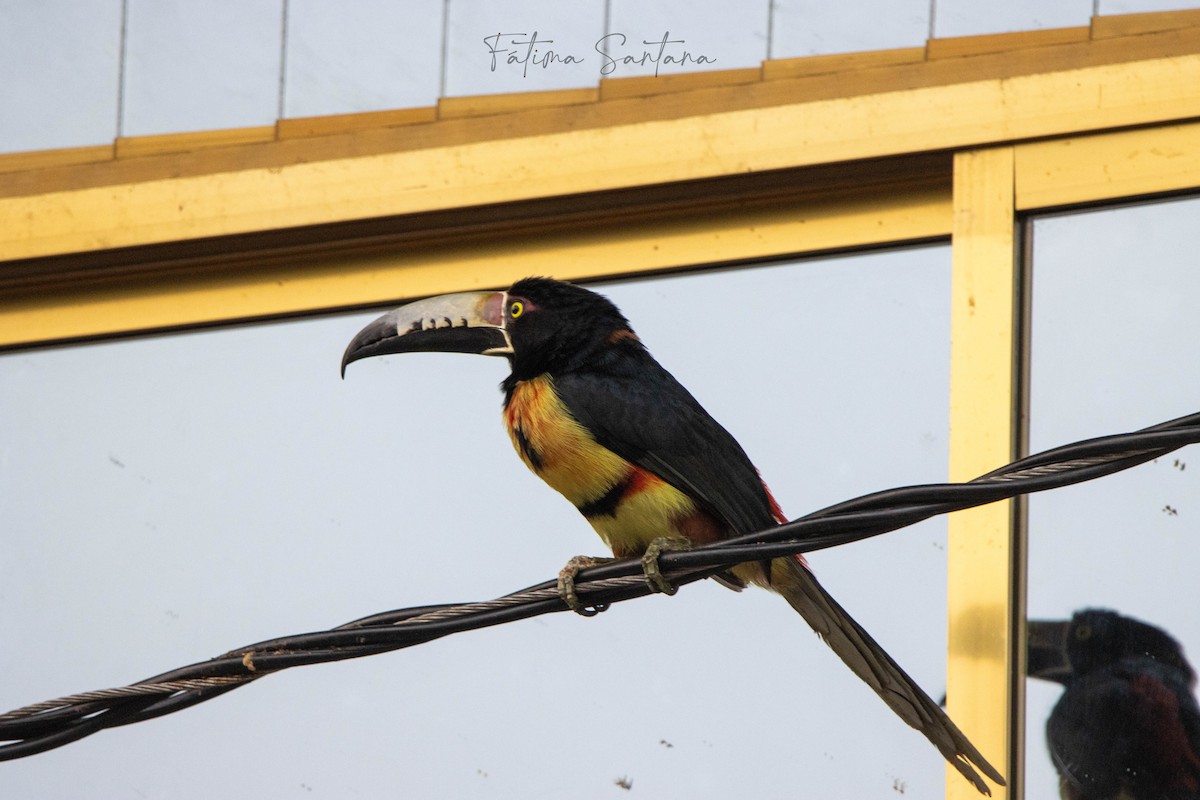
[989, 358]
[960, 161]
[984, 603]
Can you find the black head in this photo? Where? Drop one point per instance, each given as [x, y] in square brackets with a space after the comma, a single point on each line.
[556, 326]
[1095, 638]
[1099, 637]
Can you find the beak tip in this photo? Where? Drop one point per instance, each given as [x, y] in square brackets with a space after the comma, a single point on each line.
[367, 342]
[351, 356]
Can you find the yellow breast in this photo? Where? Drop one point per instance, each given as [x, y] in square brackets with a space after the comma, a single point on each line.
[565, 455]
[652, 510]
[556, 447]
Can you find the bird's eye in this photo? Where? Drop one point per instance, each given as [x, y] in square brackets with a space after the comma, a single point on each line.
[516, 308]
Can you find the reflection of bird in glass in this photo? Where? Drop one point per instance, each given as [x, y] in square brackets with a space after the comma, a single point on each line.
[1128, 725]
[593, 414]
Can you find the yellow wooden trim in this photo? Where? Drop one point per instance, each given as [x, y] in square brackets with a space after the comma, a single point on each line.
[636, 154]
[1134, 24]
[820, 77]
[804, 66]
[300, 127]
[958, 46]
[623, 247]
[644, 85]
[1031, 61]
[1109, 166]
[484, 104]
[982, 438]
[133, 146]
[41, 159]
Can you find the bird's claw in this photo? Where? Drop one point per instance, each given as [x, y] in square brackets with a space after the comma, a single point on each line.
[566, 585]
[656, 548]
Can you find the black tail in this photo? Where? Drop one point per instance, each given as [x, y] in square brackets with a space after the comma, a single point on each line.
[871, 663]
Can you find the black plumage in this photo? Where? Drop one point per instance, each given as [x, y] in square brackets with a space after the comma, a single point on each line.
[1127, 726]
[592, 413]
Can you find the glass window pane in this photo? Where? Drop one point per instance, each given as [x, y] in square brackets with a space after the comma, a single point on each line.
[60, 60]
[538, 46]
[813, 27]
[371, 55]
[169, 498]
[728, 35]
[1114, 328]
[191, 66]
[972, 17]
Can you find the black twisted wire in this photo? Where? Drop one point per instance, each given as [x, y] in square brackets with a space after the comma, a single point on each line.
[45, 726]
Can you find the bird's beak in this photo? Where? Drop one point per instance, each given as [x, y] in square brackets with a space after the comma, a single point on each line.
[1046, 650]
[467, 322]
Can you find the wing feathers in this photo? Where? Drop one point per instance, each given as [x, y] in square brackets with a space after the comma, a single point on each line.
[639, 411]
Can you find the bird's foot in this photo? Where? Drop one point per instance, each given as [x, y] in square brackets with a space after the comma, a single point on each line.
[566, 585]
[656, 548]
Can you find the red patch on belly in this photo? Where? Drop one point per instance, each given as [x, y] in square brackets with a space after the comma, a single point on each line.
[700, 527]
[639, 480]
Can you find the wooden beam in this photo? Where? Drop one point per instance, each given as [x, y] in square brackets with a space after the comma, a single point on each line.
[611, 244]
[982, 552]
[1108, 166]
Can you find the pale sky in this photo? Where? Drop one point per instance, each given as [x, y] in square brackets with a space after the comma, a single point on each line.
[168, 498]
[173, 497]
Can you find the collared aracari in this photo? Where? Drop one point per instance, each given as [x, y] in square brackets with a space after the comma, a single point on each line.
[1127, 726]
[592, 413]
